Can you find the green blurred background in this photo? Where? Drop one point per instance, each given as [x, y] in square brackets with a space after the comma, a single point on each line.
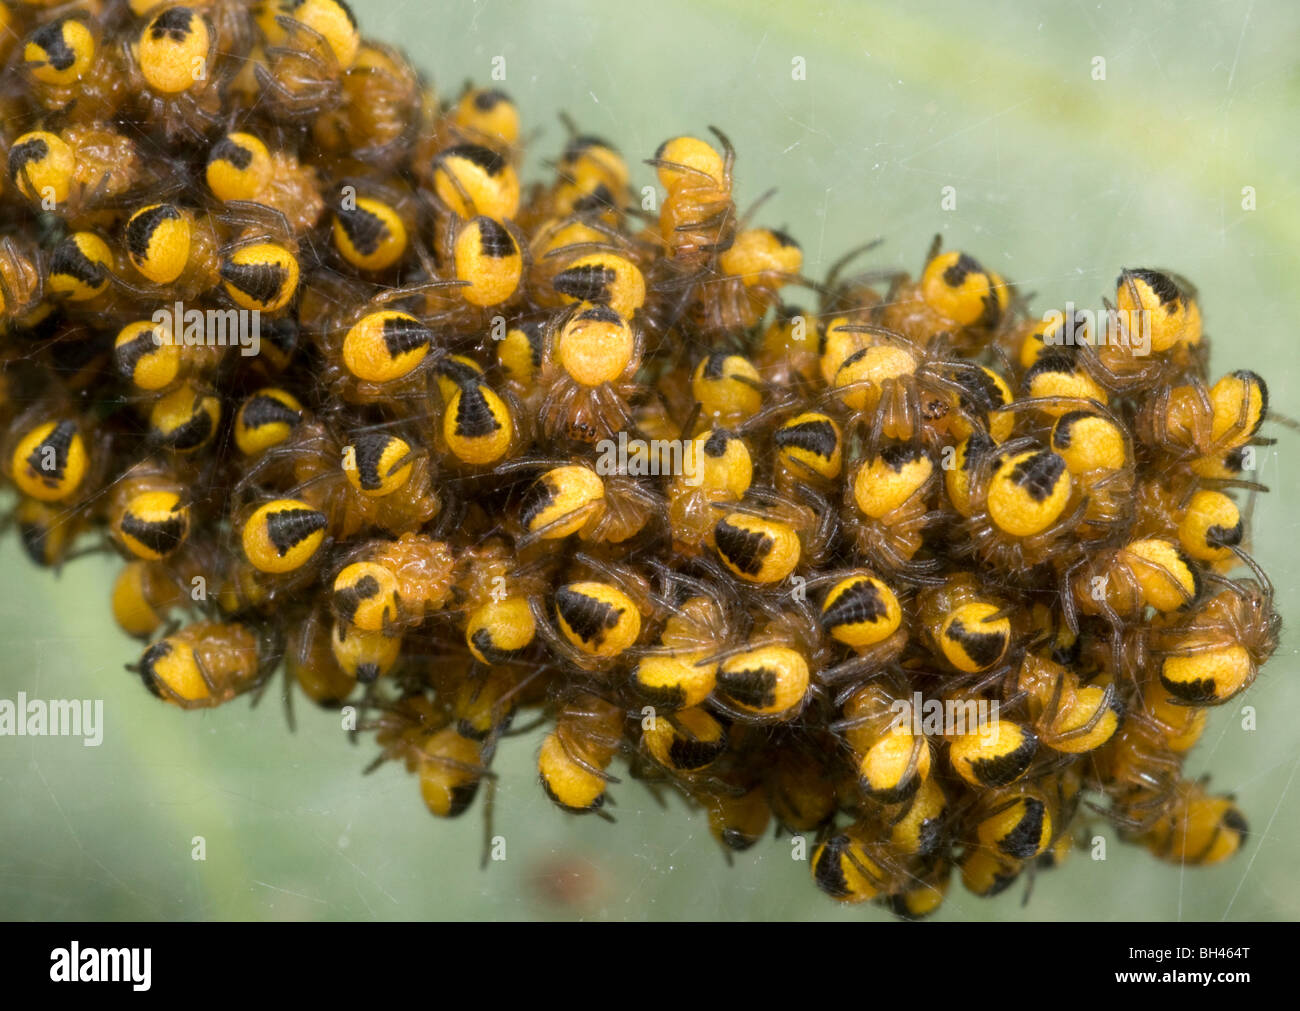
[1060, 180]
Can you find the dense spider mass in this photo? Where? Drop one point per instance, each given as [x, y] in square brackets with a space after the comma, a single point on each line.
[909, 570]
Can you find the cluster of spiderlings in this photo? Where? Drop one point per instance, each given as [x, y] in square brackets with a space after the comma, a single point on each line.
[910, 575]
